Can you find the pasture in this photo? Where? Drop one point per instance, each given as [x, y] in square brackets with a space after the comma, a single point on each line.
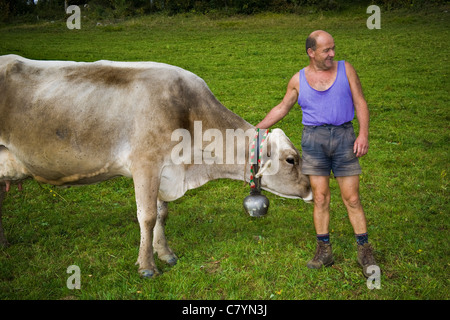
[223, 253]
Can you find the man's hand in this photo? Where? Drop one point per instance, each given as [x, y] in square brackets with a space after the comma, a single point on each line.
[361, 146]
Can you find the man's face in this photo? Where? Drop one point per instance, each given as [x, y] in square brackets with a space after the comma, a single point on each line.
[324, 53]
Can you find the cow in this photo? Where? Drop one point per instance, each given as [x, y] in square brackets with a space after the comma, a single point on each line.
[68, 123]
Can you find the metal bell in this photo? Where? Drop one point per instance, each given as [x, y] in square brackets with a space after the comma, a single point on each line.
[256, 204]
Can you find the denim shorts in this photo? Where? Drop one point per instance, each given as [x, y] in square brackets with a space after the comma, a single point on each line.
[329, 148]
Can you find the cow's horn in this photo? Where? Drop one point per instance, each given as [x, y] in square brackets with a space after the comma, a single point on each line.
[264, 168]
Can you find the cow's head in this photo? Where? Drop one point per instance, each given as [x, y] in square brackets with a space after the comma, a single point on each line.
[281, 168]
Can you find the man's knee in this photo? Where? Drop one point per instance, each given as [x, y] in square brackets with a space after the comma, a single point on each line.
[353, 202]
[321, 191]
[322, 199]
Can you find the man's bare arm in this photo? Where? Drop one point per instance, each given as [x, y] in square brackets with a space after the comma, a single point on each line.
[282, 109]
[361, 146]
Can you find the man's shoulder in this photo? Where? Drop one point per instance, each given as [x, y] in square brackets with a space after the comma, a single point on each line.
[348, 65]
[350, 70]
[294, 81]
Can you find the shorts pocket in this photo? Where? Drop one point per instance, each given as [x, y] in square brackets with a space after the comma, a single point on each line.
[307, 142]
[350, 136]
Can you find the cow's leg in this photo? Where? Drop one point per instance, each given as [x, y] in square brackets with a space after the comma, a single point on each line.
[159, 238]
[146, 184]
[3, 241]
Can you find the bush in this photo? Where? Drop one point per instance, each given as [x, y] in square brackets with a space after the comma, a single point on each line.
[15, 8]
[116, 9]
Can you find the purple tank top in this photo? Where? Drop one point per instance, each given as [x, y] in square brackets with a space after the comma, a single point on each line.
[332, 106]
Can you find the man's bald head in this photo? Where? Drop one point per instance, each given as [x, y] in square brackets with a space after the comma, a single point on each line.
[311, 41]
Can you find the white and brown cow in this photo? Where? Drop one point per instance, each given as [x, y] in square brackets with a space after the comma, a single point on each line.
[75, 123]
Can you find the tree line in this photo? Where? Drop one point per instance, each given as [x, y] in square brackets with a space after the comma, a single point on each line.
[10, 10]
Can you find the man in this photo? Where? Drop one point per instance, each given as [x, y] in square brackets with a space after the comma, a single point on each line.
[329, 93]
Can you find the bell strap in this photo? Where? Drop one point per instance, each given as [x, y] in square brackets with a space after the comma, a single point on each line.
[256, 151]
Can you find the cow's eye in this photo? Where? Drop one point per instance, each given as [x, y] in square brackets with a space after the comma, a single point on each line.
[290, 160]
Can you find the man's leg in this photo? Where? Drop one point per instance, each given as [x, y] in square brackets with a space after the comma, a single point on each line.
[350, 196]
[321, 192]
[321, 215]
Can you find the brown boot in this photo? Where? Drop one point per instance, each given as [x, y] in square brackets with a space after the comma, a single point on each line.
[365, 258]
[323, 256]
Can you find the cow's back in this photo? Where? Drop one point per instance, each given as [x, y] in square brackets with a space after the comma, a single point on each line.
[75, 121]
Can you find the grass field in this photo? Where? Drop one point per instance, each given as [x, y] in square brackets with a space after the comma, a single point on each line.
[225, 254]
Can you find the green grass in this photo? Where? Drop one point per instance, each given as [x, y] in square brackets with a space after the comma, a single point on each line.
[225, 254]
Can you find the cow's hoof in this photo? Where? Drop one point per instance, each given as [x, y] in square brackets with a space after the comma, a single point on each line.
[170, 259]
[148, 274]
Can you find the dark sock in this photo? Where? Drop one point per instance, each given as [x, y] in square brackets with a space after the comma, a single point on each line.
[324, 237]
[362, 238]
